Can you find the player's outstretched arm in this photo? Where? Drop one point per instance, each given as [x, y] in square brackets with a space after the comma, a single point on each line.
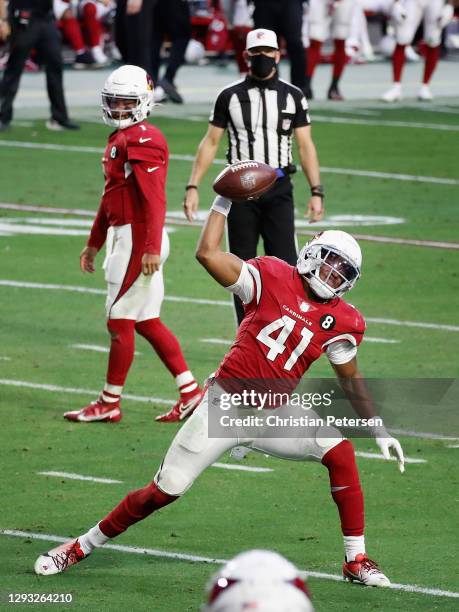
[356, 390]
[224, 267]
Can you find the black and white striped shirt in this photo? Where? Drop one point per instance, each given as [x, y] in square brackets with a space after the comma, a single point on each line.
[260, 117]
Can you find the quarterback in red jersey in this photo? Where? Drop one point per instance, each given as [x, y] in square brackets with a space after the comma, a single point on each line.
[292, 316]
[131, 219]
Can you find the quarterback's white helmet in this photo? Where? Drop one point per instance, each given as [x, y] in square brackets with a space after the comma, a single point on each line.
[127, 97]
[259, 580]
[330, 263]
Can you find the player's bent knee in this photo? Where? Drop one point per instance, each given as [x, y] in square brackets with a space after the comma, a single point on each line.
[327, 438]
[173, 481]
[433, 40]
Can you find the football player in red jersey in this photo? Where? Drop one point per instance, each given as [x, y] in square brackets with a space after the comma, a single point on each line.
[131, 218]
[275, 294]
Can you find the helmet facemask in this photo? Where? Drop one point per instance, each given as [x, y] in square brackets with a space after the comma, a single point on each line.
[328, 271]
[121, 111]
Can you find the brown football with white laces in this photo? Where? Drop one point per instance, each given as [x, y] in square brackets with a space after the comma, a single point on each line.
[245, 180]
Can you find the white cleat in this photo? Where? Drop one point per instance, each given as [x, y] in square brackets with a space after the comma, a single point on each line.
[59, 559]
[394, 94]
[425, 94]
[365, 571]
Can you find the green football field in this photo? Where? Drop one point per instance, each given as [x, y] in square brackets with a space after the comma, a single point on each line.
[394, 176]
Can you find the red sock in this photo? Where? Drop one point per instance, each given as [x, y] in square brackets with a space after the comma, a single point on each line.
[72, 32]
[136, 506]
[121, 350]
[432, 56]
[339, 59]
[165, 344]
[345, 487]
[398, 61]
[313, 57]
[92, 27]
[238, 35]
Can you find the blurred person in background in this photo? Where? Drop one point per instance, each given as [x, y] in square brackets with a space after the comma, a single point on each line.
[91, 13]
[285, 18]
[133, 31]
[407, 15]
[239, 17]
[325, 18]
[33, 26]
[71, 31]
[171, 18]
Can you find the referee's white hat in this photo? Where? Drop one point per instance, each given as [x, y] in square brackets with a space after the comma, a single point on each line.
[261, 38]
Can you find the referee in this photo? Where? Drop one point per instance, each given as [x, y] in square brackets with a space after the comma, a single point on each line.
[261, 113]
[33, 27]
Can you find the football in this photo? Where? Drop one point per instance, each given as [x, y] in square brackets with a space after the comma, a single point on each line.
[245, 180]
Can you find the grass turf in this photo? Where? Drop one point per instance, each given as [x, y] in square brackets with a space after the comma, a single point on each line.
[410, 518]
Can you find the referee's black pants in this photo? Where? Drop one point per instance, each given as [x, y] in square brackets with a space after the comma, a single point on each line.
[133, 34]
[41, 34]
[286, 19]
[271, 217]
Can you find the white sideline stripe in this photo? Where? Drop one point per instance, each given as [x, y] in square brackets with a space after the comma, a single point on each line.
[366, 455]
[57, 389]
[384, 122]
[380, 340]
[94, 347]
[2, 358]
[158, 400]
[438, 244]
[72, 476]
[242, 468]
[409, 588]
[226, 466]
[171, 219]
[421, 434]
[452, 446]
[219, 162]
[188, 300]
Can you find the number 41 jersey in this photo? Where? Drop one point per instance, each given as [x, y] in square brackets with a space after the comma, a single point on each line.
[284, 331]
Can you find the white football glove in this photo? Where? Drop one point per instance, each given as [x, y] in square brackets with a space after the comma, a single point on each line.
[388, 442]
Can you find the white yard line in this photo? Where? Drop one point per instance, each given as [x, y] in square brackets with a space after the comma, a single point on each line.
[190, 158]
[189, 300]
[94, 347]
[158, 400]
[380, 340]
[409, 588]
[366, 455]
[388, 123]
[2, 358]
[171, 219]
[241, 468]
[438, 244]
[72, 476]
[90, 392]
[452, 446]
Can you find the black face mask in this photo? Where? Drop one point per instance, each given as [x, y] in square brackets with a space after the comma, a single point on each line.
[261, 65]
